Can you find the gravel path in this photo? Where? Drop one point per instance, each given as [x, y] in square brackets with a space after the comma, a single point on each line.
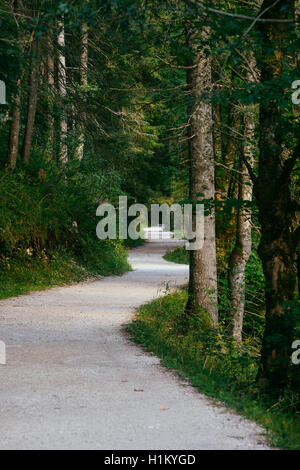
[74, 381]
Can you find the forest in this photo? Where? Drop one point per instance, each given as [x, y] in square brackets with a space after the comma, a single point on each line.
[164, 101]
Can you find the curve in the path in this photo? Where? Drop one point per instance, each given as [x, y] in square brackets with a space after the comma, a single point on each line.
[74, 381]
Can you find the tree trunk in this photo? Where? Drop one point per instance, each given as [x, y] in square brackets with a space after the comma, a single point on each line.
[62, 87]
[50, 81]
[32, 102]
[203, 266]
[239, 256]
[231, 152]
[277, 246]
[298, 270]
[84, 81]
[14, 132]
[243, 243]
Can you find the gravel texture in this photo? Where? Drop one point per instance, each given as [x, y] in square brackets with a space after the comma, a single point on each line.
[73, 380]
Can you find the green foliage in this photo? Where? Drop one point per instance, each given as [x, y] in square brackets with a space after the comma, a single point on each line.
[254, 296]
[214, 366]
[19, 276]
[48, 207]
[179, 255]
[134, 114]
[43, 214]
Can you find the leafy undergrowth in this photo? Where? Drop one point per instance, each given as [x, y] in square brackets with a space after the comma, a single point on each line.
[22, 275]
[220, 373]
[129, 243]
[180, 255]
[47, 228]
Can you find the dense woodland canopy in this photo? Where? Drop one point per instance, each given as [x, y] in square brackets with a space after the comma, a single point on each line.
[162, 101]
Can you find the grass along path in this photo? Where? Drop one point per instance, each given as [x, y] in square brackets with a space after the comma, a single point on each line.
[229, 378]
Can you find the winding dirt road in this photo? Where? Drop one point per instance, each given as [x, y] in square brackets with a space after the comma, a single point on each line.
[73, 380]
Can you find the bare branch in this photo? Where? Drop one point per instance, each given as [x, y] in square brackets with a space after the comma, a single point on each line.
[239, 16]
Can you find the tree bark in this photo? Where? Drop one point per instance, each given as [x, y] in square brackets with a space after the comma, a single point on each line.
[298, 270]
[32, 102]
[62, 87]
[203, 266]
[84, 81]
[232, 144]
[277, 246]
[243, 243]
[50, 82]
[14, 132]
[239, 256]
